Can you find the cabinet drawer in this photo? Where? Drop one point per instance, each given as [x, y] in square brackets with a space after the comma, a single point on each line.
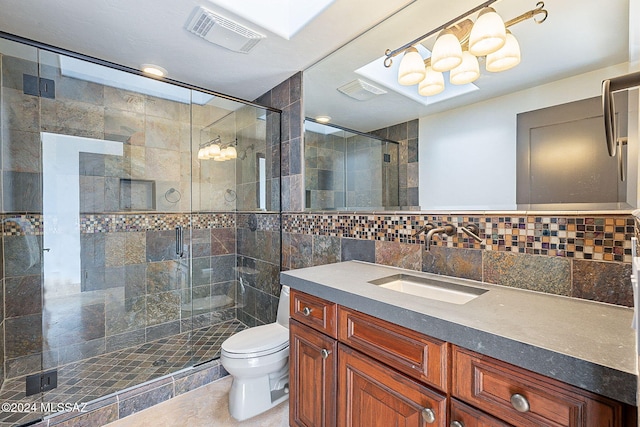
[315, 312]
[410, 352]
[371, 394]
[492, 386]
[466, 416]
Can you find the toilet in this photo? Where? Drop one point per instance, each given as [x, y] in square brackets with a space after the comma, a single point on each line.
[258, 360]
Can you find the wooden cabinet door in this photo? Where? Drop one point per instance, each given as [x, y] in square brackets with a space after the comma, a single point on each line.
[312, 379]
[374, 395]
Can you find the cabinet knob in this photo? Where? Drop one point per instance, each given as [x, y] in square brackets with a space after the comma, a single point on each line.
[520, 403]
[325, 353]
[428, 416]
[306, 311]
[456, 424]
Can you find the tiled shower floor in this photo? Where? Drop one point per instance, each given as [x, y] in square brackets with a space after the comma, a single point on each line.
[83, 381]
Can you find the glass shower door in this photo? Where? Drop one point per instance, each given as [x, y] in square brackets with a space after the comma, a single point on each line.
[116, 209]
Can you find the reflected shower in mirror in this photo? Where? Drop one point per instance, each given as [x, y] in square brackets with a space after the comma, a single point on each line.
[349, 170]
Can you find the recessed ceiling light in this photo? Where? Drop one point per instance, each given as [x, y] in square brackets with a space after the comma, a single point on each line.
[323, 119]
[153, 70]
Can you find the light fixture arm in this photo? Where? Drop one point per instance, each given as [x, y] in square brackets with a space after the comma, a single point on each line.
[529, 15]
[464, 38]
[391, 53]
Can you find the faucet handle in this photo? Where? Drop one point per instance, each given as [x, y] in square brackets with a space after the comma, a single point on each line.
[472, 231]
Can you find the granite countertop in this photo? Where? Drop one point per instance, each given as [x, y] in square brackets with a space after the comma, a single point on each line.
[587, 344]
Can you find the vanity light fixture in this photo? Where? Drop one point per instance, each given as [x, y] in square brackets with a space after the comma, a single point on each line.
[459, 44]
[217, 151]
[153, 70]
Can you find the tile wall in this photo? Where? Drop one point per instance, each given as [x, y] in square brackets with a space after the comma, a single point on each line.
[406, 134]
[584, 257]
[134, 287]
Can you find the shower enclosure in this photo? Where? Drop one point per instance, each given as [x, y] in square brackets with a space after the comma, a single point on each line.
[345, 169]
[128, 253]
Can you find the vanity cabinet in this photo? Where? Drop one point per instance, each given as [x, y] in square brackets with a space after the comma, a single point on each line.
[312, 361]
[527, 399]
[350, 369]
[312, 380]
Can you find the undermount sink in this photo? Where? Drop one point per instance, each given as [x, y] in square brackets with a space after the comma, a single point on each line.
[441, 290]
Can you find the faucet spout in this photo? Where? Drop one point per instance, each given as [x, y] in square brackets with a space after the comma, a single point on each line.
[428, 226]
[448, 229]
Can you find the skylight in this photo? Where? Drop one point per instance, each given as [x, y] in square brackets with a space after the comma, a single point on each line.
[388, 77]
[282, 17]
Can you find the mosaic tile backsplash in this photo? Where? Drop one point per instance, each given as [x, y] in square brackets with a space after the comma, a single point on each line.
[605, 238]
[584, 257]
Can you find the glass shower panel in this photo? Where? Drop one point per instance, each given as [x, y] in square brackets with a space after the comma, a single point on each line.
[21, 287]
[116, 204]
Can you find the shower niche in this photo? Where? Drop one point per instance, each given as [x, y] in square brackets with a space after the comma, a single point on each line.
[126, 257]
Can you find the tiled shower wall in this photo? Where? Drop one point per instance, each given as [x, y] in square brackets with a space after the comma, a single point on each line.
[342, 172]
[135, 289]
[406, 134]
[258, 267]
[584, 257]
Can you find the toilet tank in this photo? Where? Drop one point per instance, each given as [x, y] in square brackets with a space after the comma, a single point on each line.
[283, 307]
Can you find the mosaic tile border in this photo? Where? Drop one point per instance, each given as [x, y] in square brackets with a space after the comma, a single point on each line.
[263, 221]
[598, 237]
[33, 224]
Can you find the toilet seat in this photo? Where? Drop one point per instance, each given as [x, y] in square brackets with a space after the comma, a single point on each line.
[255, 342]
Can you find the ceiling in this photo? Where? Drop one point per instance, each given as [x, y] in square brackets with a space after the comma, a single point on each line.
[136, 32]
[578, 36]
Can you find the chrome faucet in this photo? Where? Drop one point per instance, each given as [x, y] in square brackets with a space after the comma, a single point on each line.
[472, 231]
[448, 229]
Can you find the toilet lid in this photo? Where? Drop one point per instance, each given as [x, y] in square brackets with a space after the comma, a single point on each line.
[257, 340]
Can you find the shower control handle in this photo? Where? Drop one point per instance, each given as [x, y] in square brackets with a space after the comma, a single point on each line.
[179, 241]
[306, 311]
[325, 353]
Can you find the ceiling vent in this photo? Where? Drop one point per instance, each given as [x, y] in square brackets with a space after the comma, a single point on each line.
[361, 90]
[222, 31]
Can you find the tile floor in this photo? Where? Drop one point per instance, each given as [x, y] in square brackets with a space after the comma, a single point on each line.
[206, 406]
[99, 376]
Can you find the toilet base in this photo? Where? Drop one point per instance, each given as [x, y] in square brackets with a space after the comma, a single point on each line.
[249, 397]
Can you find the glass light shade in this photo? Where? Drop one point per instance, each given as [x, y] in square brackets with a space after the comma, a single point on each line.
[213, 150]
[432, 84]
[488, 33]
[447, 52]
[202, 154]
[230, 152]
[505, 58]
[467, 72]
[411, 69]
[220, 158]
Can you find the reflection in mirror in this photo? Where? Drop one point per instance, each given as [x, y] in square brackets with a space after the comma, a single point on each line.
[348, 170]
[562, 161]
[467, 142]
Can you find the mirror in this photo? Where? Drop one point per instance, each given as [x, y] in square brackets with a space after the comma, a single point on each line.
[467, 141]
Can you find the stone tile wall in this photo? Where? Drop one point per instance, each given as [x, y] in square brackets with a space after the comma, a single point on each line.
[584, 257]
[407, 135]
[134, 287]
[258, 267]
[287, 96]
[347, 172]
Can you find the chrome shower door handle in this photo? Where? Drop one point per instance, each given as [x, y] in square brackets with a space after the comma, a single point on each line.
[179, 241]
